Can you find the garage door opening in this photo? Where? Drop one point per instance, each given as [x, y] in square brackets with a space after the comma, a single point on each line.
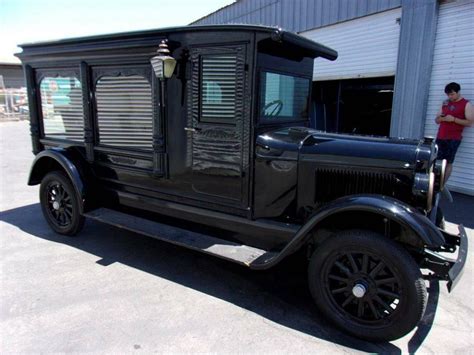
[360, 106]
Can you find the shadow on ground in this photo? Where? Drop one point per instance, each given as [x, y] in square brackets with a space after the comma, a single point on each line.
[460, 210]
[280, 294]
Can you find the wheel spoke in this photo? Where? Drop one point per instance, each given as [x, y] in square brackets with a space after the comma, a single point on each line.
[360, 308]
[388, 293]
[68, 212]
[365, 263]
[338, 278]
[343, 268]
[348, 300]
[373, 309]
[339, 290]
[352, 262]
[385, 281]
[383, 304]
[377, 269]
[67, 218]
[61, 191]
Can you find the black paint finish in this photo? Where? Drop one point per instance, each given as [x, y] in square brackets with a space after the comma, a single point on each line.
[260, 178]
[212, 170]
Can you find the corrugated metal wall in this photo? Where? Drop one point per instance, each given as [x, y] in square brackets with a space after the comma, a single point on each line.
[296, 15]
[367, 47]
[415, 55]
[12, 76]
[453, 61]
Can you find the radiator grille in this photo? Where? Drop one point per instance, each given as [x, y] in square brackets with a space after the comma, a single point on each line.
[333, 183]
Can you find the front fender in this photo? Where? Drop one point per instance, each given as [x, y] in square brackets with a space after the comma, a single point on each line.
[391, 208]
[49, 158]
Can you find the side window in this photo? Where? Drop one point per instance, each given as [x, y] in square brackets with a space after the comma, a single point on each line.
[218, 88]
[125, 111]
[61, 107]
[283, 97]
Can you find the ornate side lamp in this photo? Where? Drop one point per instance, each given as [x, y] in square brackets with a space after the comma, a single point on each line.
[163, 64]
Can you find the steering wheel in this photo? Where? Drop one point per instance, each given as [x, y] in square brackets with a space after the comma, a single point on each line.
[275, 111]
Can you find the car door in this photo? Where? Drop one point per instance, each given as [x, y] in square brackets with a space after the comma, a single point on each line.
[216, 124]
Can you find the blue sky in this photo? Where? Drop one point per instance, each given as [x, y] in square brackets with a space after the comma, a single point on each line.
[38, 20]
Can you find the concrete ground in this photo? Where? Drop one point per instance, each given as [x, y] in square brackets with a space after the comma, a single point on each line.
[112, 291]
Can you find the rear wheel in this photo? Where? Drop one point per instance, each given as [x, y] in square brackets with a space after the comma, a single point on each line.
[60, 204]
[368, 285]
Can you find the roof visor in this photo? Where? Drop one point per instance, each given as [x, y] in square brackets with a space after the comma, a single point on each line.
[312, 49]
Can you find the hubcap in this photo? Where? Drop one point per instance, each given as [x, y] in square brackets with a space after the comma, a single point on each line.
[56, 205]
[359, 290]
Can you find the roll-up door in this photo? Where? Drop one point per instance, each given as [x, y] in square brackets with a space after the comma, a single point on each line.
[453, 60]
[367, 47]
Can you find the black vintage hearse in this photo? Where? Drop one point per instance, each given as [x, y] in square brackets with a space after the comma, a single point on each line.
[210, 126]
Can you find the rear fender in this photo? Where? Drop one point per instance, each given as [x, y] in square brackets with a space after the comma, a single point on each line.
[388, 207]
[48, 160]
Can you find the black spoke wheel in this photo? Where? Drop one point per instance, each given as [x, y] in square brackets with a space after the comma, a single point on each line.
[367, 285]
[59, 204]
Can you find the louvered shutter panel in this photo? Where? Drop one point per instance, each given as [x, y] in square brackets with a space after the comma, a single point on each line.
[218, 88]
[61, 106]
[125, 111]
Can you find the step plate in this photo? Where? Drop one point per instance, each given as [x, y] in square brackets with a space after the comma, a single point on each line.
[235, 252]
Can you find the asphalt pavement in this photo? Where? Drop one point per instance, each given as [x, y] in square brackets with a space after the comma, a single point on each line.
[112, 291]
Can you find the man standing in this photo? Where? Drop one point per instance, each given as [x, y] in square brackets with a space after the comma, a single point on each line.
[455, 114]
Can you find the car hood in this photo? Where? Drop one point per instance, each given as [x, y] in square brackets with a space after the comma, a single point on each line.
[351, 150]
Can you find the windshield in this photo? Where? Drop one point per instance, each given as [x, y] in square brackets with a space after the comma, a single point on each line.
[283, 97]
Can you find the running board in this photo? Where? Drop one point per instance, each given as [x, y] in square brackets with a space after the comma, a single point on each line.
[241, 254]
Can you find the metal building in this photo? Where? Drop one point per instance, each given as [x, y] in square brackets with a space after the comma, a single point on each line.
[395, 57]
[12, 92]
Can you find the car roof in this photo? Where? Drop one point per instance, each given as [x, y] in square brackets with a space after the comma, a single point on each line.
[275, 33]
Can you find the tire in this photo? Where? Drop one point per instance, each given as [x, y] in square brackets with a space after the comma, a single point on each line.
[60, 204]
[367, 285]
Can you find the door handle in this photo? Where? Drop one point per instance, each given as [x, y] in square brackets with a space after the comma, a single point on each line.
[191, 129]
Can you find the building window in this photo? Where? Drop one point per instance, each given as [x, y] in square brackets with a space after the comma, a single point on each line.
[125, 111]
[218, 88]
[283, 97]
[61, 106]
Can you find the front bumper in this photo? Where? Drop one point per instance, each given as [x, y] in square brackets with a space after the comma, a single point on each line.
[445, 268]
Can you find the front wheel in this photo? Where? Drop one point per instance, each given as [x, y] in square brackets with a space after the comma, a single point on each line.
[368, 285]
[60, 204]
